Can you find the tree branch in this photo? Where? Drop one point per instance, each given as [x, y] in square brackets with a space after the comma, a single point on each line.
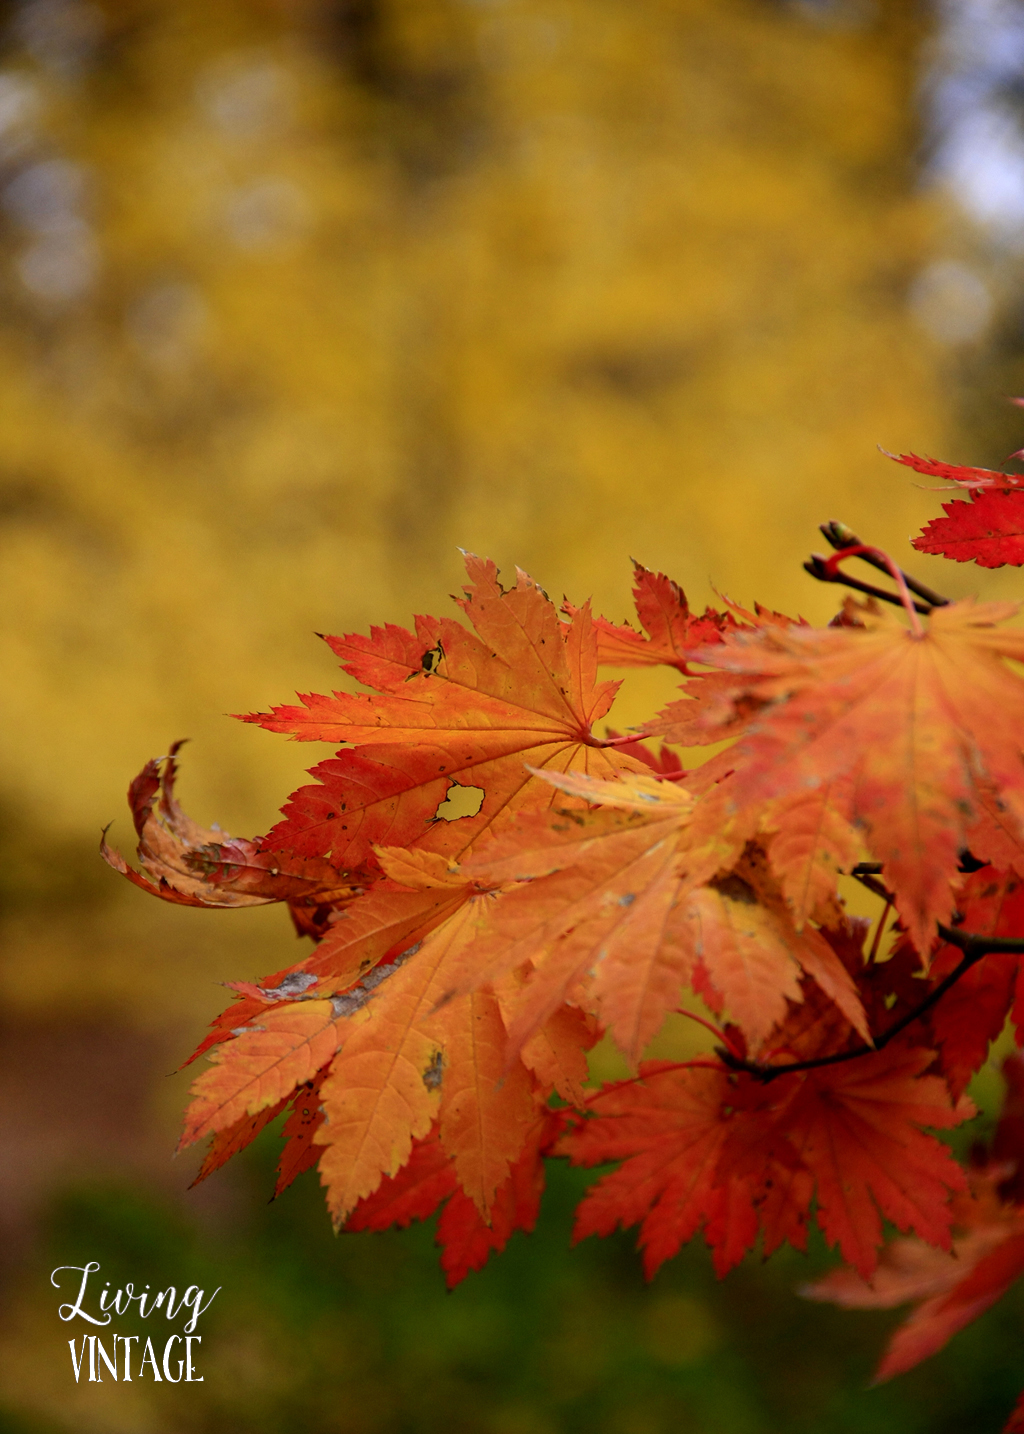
[974, 948]
[840, 536]
[818, 568]
[865, 873]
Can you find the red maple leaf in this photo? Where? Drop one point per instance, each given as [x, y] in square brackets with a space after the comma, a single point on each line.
[972, 1014]
[847, 1134]
[670, 629]
[987, 530]
[950, 1288]
[954, 473]
[428, 1180]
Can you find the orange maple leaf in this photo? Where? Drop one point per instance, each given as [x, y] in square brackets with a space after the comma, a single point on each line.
[620, 909]
[371, 930]
[260, 1065]
[452, 708]
[918, 724]
[406, 1059]
[387, 1053]
[236, 1137]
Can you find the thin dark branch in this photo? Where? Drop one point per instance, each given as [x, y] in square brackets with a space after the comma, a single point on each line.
[815, 565]
[879, 931]
[766, 1074]
[840, 536]
[974, 948]
[868, 879]
[973, 945]
[968, 862]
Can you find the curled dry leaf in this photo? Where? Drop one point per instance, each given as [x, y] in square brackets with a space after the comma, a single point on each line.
[201, 866]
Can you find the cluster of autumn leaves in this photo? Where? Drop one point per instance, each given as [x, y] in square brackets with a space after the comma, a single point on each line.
[431, 1049]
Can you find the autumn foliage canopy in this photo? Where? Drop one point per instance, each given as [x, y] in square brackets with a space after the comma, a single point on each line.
[430, 1050]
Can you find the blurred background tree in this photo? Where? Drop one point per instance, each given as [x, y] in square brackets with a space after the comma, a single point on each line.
[296, 296]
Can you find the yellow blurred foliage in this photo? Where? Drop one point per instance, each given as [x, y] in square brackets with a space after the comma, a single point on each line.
[559, 281]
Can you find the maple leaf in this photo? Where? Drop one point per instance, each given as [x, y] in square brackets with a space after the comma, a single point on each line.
[971, 1015]
[387, 1053]
[619, 910]
[236, 1137]
[414, 1192]
[812, 841]
[989, 530]
[299, 1153]
[809, 834]
[452, 707]
[670, 627]
[557, 1053]
[976, 478]
[394, 1061]
[607, 882]
[919, 725]
[751, 953]
[951, 1287]
[371, 931]
[467, 1240]
[954, 1287]
[669, 1128]
[259, 1065]
[855, 1128]
[304, 1120]
[405, 1059]
[191, 865]
[847, 1134]
[428, 1180]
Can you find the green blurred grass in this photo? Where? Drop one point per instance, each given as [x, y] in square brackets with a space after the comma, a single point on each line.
[357, 1335]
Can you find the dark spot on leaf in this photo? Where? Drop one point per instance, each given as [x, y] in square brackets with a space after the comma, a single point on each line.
[433, 1074]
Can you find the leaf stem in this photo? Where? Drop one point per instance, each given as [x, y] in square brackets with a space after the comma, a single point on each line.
[868, 878]
[697, 1064]
[829, 569]
[840, 537]
[708, 1026]
[818, 567]
[621, 741]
